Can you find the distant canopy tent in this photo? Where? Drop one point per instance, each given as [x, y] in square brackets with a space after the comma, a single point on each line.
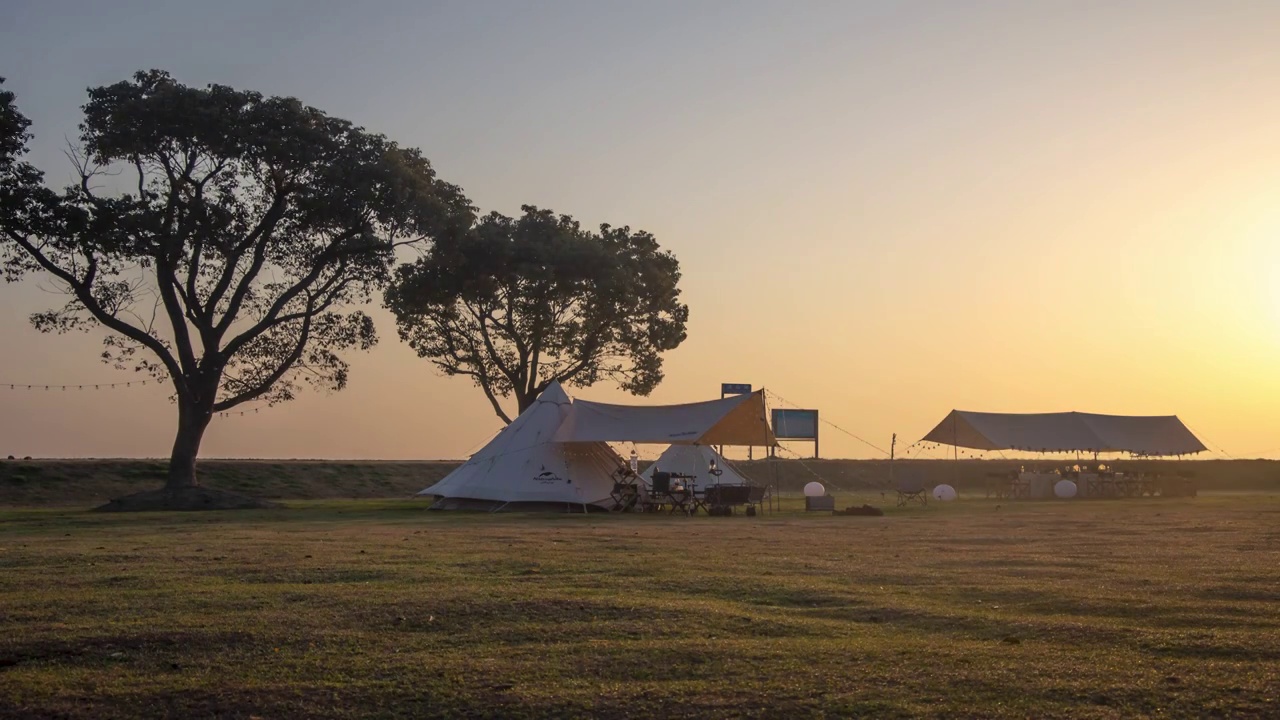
[1065, 432]
[737, 420]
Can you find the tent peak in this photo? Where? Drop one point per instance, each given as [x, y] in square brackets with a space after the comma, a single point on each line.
[554, 394]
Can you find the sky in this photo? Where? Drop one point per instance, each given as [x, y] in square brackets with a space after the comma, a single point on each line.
[884, 210]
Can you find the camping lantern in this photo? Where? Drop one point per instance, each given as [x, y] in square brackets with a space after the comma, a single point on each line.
[635, 461]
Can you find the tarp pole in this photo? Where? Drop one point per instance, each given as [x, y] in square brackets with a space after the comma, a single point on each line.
[955, 451]
[777, 483]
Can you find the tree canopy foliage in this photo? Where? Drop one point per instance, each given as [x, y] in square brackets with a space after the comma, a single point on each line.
[225, 239]
[517, 303]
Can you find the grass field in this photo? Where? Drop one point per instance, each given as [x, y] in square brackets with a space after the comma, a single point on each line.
[376, 608]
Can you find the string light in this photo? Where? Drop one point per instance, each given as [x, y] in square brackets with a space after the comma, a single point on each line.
[238, 413]
[80, 386]
[108, 386]
[837, 427]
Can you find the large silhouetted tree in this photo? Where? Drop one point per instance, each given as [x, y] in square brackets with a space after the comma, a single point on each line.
[515, 304]
[223, 238]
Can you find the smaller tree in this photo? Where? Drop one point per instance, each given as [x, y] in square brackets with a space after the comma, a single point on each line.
[515, 304]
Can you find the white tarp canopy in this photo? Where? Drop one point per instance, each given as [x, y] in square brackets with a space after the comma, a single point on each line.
[524, 464]
[737, 420]
[694, 460]
[1067, 431]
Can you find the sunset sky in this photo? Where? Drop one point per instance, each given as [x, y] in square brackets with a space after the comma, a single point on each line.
[883, 210]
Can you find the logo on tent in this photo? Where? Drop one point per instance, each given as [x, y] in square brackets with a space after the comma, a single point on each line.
[546, 477]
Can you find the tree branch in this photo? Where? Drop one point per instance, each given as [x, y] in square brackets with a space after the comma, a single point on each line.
[321, 264]
[166, 280]
[265, 384]
[259, 238]
[489, 347]
[533, 363]
[588, 357]
[483, 381]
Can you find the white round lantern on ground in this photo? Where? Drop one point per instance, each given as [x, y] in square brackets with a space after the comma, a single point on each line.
[814, 489]
[1065, 489]
[944, 493]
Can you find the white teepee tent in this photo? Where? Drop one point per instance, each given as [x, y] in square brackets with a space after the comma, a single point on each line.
[522, 467]
[695, 460]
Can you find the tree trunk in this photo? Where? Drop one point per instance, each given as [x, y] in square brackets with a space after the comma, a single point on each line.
[524, 401]
[192, 421]
[181, 491]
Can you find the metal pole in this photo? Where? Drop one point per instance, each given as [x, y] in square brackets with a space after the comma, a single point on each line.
[893, 442]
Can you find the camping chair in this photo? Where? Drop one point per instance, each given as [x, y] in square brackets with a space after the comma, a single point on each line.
[659, 488]
[698, 501]
[1089, 484]
[626, 495]
[910, 488]
[683, 497]
[661, 494]
[1020, 486]
[628, 492]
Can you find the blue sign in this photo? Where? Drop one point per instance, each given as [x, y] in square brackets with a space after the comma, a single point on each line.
[735, 389]
[795, 424]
